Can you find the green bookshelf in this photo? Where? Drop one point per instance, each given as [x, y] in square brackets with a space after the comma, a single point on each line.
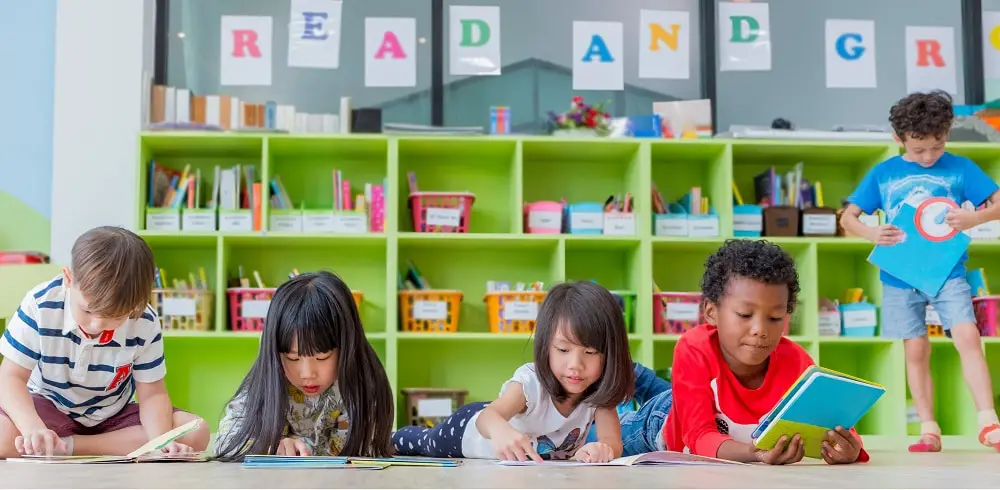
[204, 368]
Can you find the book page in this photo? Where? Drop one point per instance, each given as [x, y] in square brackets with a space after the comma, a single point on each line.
[162, 441]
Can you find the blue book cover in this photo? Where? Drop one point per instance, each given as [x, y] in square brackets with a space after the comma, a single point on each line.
[820, 400]
[929, 250]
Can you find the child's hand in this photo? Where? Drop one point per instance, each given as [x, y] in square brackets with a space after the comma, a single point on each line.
[40, 442]
[291, 446]
[961, 219]
[177, 448]
[887, 235]
[594, 452]
[841, 447]
[784, 452]
[511, 445]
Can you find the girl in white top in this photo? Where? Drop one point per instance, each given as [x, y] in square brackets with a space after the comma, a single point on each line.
[582, 370]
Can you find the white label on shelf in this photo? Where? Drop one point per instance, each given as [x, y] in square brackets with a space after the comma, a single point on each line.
[829, 323]
[178, 307]
[586, 221]
[255, 308]
[350, 223]
[198, 221]
[168, 221]
[434, 407]
[444, 216]
[750, 222]
[235, 222]
[317, 222]
[430, 310]
[869, 220]
[989, 230]
[286, 223]
[703, 227]
[667, 225]
[819, 224]
[544, 219]
[683, 311]
[619, 224]
[931, 317]
[860, 318]
[520, 310]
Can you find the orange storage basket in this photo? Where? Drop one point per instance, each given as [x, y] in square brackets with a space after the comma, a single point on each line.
[513, 311]
[184, 309]
[429, 310]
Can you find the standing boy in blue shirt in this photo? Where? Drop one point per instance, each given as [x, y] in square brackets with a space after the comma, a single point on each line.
[921, 123]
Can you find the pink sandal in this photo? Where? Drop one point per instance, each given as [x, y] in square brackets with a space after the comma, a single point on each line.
[930, 443]
[987, 430]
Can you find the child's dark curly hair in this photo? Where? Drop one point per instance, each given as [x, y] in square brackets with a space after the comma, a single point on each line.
[759, 260]
[922, 115]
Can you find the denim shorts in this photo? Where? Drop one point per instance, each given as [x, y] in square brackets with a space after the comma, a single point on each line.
[904, 311]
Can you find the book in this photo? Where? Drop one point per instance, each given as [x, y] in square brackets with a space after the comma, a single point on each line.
[145, 454]
[656, 458]
[274, 461]
[929, 250]
[820, 400]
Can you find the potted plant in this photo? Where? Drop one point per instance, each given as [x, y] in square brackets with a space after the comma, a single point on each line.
[582, 120]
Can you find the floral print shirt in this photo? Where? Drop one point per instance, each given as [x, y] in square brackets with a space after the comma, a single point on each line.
[321, 421]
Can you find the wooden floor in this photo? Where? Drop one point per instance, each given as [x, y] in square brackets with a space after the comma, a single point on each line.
[887, 470]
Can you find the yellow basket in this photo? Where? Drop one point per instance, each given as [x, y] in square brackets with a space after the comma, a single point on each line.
[183, 309]
[513, 311]
[429, 310]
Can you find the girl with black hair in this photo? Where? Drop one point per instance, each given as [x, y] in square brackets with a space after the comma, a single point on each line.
[317, 386]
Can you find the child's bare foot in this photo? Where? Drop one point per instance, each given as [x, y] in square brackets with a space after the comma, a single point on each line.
[928, 443]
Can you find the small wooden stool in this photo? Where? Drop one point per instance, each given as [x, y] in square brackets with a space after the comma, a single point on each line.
[425, 407]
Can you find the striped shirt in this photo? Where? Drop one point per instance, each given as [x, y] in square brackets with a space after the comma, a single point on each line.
[88, 379]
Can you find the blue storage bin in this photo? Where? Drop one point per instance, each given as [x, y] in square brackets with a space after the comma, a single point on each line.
[748, 220]
[585, 218]
[858, 319]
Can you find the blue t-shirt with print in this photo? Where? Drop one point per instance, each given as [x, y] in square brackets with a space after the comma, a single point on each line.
[896, 181]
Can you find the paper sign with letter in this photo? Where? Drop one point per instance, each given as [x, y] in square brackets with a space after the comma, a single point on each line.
[245, 57]
[850, 53]
[991, 45]
[929, 250]
[744, 36]
[819, 401]
[474, 40]
[665, 44]
[314, 34]
[930, 59]
[598, 49]
[390, 52]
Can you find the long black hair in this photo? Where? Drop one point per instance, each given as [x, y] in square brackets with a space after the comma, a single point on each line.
[317, 311]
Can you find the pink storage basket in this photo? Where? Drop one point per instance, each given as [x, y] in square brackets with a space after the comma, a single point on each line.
[676, 313]
[543, 217]
[986, 308]
[441, 212]
[248, 308]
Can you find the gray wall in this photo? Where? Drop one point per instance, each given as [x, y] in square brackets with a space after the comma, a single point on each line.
[795, 88]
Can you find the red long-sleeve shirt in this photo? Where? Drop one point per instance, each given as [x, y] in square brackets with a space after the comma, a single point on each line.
[711, 406]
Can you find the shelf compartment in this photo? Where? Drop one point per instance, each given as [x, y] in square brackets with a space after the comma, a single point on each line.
[585, 171]
[845, 266]
[676, 168]
[880, 363]
[986, 155]
[178, 256]
[359, 261]
[486, 168]
[614, 264]
[460, 265]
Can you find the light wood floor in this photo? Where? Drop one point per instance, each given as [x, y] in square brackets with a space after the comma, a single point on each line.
[887, 470]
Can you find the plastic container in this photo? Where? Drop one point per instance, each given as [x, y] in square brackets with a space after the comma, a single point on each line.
[429, 310]
[584, 218]
[626, 299]
[676, 313]
[184, 309]
[513, 311]
[986, 314]
[248, 308]
[441, 212]
[543, 217]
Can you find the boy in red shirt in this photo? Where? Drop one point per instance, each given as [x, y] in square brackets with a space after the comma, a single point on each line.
[730, 372]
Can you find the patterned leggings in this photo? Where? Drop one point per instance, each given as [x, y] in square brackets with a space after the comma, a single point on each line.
[444, 440]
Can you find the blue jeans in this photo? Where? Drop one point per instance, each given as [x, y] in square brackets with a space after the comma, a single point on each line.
[904, 310]
[641, 428]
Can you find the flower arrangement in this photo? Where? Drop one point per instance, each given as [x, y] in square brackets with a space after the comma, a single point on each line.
[582, 116]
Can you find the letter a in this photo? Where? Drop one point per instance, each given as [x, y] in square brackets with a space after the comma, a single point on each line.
[390, 44]
[245, 40]
[659, 34]
[929, 51]
[597, 47]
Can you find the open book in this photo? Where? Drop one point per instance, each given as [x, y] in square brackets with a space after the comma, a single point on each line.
[148, 453]
[658, 458]
[272, 461]
[820, 400]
